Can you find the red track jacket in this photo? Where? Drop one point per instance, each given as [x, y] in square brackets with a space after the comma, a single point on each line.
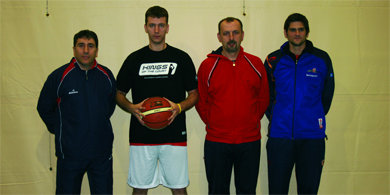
[233, 96]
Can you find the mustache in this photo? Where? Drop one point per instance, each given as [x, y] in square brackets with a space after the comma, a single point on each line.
[231, 42]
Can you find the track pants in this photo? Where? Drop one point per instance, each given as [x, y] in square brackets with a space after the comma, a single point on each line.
[70, 174]
[308, 157]
[220, 158]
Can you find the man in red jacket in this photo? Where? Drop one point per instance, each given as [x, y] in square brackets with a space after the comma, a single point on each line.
[233, 96]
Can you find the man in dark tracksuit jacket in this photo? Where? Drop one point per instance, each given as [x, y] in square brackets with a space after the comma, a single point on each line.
[301, 84]
[76, 103]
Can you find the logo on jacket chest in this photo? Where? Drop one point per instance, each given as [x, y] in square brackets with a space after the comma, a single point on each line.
[73, 92]
[156, 69]
[312, 72]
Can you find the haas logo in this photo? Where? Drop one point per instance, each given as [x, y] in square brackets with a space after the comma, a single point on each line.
[157, 69]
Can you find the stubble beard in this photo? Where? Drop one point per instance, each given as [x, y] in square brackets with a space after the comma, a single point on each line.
[231, 49]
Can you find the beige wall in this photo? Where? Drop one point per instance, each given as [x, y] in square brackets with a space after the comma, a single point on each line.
[354, 33]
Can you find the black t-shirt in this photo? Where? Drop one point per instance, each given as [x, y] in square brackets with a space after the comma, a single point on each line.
[169, 73]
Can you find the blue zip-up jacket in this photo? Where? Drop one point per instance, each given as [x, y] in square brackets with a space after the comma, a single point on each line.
[301, 92]
[76, 105]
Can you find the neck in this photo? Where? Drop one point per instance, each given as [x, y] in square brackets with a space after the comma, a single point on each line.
[83, 66]
[231, 56]
[157, 47]
[297, 50]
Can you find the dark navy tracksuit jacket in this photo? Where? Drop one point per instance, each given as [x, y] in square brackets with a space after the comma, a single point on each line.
[76, 105]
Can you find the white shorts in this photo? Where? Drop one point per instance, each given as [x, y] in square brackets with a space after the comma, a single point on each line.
[151, 166]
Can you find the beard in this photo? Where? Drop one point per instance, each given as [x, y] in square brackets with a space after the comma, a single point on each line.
[297, 44]
[231, 49]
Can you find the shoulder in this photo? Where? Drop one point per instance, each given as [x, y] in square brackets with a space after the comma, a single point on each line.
[139, 52]
[207, 64]
[60, 71]
[322, 56]
[210, 61]
[105, 69]
[135, 57]
[320, 53]
[252, 57]
[273, 58]
[176, 51]
[275, 54]
[316, 51]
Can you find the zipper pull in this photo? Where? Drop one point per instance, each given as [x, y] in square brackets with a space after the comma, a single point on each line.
[296, 59]
[86, 74]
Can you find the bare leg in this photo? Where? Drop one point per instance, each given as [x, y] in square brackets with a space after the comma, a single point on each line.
[137, 191]
[182, 191]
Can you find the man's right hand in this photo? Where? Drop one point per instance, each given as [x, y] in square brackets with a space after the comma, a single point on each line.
[126, 105]
[136, 110]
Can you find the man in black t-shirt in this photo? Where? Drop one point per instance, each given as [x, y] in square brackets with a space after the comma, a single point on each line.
[158, 156]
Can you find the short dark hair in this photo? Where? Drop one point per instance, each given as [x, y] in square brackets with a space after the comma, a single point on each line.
[296, 17]
[228, 19]
[156, 12]
[85, 34]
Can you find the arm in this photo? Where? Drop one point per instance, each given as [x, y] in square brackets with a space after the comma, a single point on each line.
[113, 94]
[327, 94]
[202, 106]
[47, 105]
[271, 88]
[126, 105]
[264, 92]
[185, 105]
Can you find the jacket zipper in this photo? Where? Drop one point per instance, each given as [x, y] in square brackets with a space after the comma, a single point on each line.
[235, 92]
[295, 86]
[60, 139]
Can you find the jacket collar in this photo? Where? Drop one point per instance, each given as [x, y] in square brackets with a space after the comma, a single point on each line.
[218, 53]
[285, 47]
[76, 64]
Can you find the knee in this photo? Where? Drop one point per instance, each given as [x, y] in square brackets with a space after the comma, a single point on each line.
[182, 191]
[137, 191]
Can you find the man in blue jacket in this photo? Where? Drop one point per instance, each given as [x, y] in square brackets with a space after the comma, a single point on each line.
[301, 84]
[76, 103]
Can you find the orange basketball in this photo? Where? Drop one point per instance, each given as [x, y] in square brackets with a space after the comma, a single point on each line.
[157, 111]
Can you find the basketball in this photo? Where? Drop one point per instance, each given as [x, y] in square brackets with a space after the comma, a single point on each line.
[156, 111]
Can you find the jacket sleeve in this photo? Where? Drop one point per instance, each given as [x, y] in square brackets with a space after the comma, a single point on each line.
[202, 106]
[47, 104]
[271, 88]
[264, 91]
[327, 94]
[112, 103]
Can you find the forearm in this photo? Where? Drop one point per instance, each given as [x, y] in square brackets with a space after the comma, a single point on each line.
[50, 120]
[190, 101]
[47, 107]
[126, 105]
[202, 106]
[122, 101]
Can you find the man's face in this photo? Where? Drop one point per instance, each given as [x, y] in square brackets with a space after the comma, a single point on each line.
[85, 51]
[156, 28]
[296, 34]
[231, 36]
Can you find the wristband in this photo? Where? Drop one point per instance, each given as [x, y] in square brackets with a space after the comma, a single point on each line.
[179, 108]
